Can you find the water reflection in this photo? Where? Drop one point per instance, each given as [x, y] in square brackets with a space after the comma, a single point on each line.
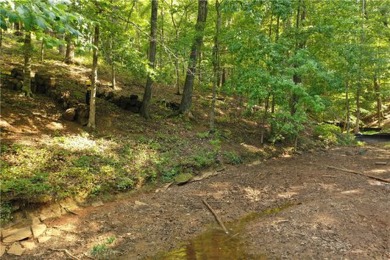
[213, 244]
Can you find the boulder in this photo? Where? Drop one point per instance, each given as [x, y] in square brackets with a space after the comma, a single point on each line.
[14, 235]
[69, 114]
[44, 82]
[16, 249]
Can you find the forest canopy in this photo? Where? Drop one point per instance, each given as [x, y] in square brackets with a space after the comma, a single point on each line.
[299, 60]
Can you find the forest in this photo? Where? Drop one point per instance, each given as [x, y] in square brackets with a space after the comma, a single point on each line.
[104, 99]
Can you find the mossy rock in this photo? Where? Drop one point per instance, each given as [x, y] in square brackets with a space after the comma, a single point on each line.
[183, 178]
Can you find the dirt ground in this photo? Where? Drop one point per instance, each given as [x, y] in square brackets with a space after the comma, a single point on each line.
[292, 207]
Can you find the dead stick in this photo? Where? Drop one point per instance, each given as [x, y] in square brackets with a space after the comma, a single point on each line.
[216, 216]
[66, 252]
[358, 173]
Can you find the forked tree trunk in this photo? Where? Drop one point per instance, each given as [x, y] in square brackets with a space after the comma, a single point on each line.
[152, 58]
[186, 100]
[27, 64]
[92, 102]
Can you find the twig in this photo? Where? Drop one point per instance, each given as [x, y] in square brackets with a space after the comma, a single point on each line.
[216, 216]
[380, 163]
[66, 252]
[358, 173]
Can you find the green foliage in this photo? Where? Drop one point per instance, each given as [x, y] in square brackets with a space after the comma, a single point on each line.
[327, 133]
[103, 251]
[232, 157]
[5, 213]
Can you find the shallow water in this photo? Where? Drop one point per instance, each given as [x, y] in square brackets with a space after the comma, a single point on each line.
[215, 244]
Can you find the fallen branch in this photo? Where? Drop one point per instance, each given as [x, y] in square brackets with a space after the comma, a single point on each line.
[358, 173]
[380, 163]
[66, 252]
[216, 216]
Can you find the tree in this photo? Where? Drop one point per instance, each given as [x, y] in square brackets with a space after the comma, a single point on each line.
[216, 64]
[152, 57]
[186, 100]
[92, 103]
[36, 16]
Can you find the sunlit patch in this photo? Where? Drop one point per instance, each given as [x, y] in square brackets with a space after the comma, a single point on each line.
[55, 126]
[287, 195]
[252, 194]
[251, 148]
[330, 187]
[380, 170]
[356, 191]
[255, 163]
[376, 183]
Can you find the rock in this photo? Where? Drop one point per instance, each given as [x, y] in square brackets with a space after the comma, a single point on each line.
[16, 249]
[69, 114]
[29, 245]
[140, 203]
[97, 203]
[17, 235]
[2, 249]
[43, 82]
[17, 73]
[43, 239]
[50, 212]
[38, 229]
[82, 114]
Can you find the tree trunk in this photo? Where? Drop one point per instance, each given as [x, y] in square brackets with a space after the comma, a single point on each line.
[348, 107]
[378, 100]
[61, 47]
[92, 102]
[69, 54]
[358, 93]
[216, 65]
[113, 76]
[42, 56]
[27, 64]
[186, 100]
[300, 44]
[152, 58]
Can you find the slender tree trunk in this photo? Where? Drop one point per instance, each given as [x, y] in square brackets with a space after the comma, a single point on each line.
[357, 123]
[152, 58]
[69, 54]
[216, 65]
[378, 100]
[160, 55]
[42, 56]
[348, 107]
[300, 44]
[27, 64]
[1, 37]
[61, 47]
[186, 100]
[92, 102]
[113, 75]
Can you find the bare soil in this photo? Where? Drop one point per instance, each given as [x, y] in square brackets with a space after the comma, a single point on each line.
[304, 210]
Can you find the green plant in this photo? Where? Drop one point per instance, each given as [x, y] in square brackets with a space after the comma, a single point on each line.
[232, 158]
[102, 251]
[5, 213]
[327, 133]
